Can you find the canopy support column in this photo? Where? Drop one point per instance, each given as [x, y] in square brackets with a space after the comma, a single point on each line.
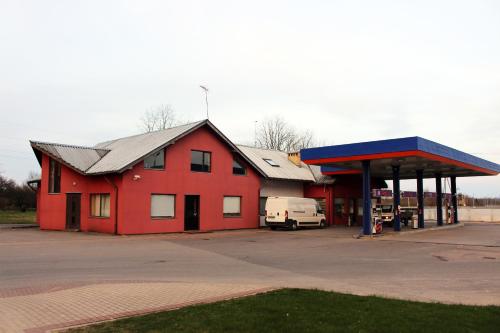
[367, 200]
[396, 198]
[420, 197]
[453, 185]
[439, 200]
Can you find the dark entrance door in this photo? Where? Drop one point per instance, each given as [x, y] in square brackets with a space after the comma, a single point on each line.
[352, 212]
[73, 211]
[192, 212]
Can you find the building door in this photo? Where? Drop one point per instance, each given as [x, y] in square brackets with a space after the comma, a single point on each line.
[351, 218]
[73, 211]
[192, 212]
[340, 216]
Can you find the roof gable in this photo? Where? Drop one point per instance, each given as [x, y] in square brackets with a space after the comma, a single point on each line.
[115, 156]
[128, 151]
[78, 158]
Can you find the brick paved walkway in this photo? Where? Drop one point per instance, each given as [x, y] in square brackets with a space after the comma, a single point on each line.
[41, 309]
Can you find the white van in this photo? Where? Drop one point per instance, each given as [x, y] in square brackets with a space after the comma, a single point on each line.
[292, 213]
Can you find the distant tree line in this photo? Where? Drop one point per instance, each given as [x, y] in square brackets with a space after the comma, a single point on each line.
[14, 196]
[273, 133]
[276, 134]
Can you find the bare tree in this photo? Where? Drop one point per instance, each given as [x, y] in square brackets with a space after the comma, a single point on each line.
[158, 118]
[275, 133]
[33, 175]
[301, 140]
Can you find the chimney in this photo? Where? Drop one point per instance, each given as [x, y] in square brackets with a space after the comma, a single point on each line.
[295, 158]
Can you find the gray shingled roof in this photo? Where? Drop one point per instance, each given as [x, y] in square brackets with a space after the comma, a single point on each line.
[129, 150]
[286, 170]
[118, 155]
[78, 157]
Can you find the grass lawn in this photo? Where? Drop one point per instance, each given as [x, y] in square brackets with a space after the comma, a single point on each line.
[300, 310]
[17, 217]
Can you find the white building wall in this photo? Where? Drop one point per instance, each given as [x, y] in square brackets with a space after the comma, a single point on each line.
[468, 214]
[280, 188]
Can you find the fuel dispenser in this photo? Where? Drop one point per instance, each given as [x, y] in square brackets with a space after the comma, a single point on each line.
[376, 218]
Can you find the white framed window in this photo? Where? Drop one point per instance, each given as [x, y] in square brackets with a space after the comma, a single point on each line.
[100, 205]
[162, 205]
[232, 206]
[271, 162]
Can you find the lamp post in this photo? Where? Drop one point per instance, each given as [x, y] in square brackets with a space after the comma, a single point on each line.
[255, 132]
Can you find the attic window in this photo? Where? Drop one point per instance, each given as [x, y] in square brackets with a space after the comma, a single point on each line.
[271, 162]
[238, 168]
[155, 160]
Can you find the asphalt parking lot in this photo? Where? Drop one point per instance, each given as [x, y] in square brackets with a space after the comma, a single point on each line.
[459, 265]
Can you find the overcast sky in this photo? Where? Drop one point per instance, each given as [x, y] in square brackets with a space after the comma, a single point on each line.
[81, 72]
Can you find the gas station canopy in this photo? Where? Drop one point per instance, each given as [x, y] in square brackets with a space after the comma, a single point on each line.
[410, 154]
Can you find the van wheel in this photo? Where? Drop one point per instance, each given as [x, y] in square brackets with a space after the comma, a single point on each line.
[322, 224]
[273, 228]
[294, 226]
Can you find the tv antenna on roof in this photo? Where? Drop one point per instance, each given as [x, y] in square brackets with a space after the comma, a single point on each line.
[205, 89]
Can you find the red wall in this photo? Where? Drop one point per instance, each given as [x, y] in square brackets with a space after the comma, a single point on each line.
[178, 179]
[347, 187]
[52, 206]
[321, 192]
[134, 195]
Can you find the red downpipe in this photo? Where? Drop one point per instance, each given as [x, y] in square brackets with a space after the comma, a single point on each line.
[116, 204]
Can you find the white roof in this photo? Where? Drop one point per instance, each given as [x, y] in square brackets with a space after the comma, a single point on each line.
[120, 154]
[77, 157]
[286, 169]
[115, 155]
[127, 151]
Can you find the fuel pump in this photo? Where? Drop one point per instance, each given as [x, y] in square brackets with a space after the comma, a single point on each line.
[448, 212]
[376, 218]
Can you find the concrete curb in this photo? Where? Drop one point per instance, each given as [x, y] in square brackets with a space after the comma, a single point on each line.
[18, 226]
[411, 231]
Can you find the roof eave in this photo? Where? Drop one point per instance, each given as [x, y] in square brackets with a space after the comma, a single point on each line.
[169, 142]
[69, 165]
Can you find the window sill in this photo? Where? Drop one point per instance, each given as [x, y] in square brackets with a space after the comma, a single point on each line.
[201, 171]
[54, 193]
[156, 218]
[100, 217]
[155, 169]
[232, 216]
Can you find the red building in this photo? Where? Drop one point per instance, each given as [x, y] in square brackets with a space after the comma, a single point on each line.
[186, 178]
[189, 177]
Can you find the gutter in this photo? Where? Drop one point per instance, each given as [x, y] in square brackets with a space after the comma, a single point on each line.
[116, 204]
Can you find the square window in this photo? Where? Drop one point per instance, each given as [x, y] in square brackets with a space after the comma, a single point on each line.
[200, 161]
[232, 206]
[100, 205]
[162, 205]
